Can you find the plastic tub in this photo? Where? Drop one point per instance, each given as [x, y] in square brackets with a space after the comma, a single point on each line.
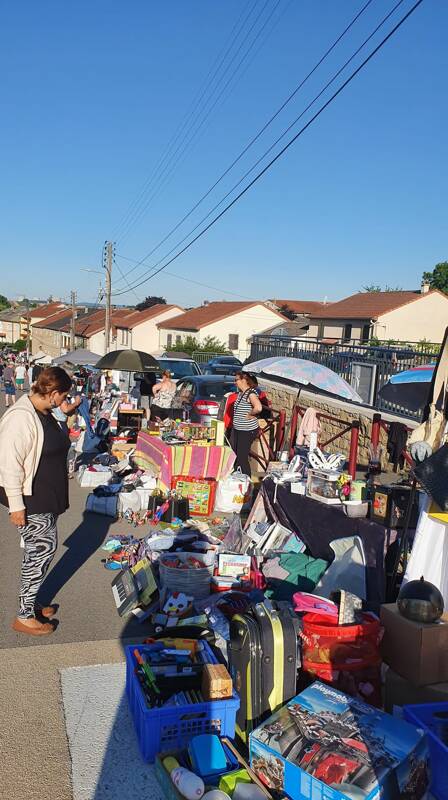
[160, 730]
[423, 716]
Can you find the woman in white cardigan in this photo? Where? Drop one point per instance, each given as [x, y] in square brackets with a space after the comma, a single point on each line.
[34, 486]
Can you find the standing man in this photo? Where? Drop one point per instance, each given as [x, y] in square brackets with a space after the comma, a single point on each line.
[20, 373]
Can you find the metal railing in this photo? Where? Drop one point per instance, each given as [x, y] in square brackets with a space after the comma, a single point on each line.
[389, 359]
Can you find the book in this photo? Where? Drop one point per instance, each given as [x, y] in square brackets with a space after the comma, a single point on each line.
[231, 565]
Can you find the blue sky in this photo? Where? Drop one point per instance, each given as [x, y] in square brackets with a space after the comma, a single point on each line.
[92, 93]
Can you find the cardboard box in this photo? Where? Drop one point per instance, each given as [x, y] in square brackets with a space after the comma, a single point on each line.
[325, 745]
[400, 692]
[417, 651]
[216, 682]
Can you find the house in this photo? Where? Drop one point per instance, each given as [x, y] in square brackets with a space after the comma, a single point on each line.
[138, 330]
[52, 334]
[402, 316]
[299, 307]
[13, 324]
[43, 311]
[232, 323]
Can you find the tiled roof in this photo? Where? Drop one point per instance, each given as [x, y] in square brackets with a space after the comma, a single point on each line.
[301, 306]
[367, 305]
[137, 317]
[46, 310]
[53, 319]
[200, 317]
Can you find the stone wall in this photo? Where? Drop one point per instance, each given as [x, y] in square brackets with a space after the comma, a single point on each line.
[284, 397]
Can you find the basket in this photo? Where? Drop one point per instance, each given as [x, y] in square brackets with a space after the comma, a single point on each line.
[193, 582]
[423, 717]
[171, 727]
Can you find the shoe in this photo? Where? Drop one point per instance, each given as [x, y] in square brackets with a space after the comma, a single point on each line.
[46, 611]
[32, 627]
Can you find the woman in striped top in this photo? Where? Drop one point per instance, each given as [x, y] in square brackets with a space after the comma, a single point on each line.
[245, 423]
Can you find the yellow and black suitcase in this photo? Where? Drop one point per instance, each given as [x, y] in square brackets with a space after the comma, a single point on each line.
[263, 658]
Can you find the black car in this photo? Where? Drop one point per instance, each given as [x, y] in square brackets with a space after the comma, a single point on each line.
[222, 365]
[200, 396]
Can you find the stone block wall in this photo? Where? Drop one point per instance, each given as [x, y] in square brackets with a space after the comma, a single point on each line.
[284, 398]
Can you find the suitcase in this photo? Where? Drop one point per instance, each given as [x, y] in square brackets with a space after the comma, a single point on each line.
[263, 659]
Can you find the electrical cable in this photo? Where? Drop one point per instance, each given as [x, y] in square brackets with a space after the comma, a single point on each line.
[262, 172]
[257, 136]
[168, 170]
[288, 144]
[200, 95]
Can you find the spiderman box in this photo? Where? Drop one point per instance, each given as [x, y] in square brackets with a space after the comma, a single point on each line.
[325, 745]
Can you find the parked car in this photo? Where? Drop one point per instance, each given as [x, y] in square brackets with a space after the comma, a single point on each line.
[342, 359]
[222, 365]
[201, 395]
[180, 367]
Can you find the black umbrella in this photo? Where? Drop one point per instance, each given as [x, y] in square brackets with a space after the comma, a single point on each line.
[128, 361]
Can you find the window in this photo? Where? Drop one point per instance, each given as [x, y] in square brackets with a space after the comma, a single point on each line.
[178, 339]
[124, 336]
[365, 334]
[169, 340]
[233, 341]
[320, 330]
[347, 332]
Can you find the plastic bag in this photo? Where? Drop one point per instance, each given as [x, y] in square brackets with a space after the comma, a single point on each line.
[232, 493]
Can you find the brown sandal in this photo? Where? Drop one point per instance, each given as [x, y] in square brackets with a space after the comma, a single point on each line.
[46, 611]
[32, 627]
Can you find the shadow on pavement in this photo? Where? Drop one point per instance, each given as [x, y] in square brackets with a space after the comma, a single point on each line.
[81, 544]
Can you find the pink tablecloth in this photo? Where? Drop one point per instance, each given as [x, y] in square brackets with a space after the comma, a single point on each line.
[197, 461]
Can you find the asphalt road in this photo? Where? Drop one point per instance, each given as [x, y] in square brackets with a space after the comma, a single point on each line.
[77, 579]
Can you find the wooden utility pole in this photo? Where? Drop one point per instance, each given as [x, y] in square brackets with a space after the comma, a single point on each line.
[108, 263]
[73, 320]
[28, 330]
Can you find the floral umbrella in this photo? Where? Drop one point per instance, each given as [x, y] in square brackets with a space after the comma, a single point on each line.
[302, 373]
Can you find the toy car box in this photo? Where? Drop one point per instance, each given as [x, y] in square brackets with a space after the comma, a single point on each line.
[325, 745]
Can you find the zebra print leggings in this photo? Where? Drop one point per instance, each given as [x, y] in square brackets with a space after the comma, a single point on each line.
[40, 537]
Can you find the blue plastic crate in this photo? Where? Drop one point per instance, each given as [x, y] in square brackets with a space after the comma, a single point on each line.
[422, 716]
[171, 728]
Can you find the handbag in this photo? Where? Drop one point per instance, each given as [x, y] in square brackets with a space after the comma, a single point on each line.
[432, 473]
[430, 431]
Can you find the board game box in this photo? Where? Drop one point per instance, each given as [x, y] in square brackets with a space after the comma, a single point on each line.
[325, 745]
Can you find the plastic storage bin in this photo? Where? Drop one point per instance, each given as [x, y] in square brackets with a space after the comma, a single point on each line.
[171, 728]
[423, 717]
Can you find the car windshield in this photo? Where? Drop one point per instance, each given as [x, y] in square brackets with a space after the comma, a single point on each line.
[179, 369]
[216, 389]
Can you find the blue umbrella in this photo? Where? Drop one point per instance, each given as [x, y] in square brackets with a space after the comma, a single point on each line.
[410, 388]
[300, 372]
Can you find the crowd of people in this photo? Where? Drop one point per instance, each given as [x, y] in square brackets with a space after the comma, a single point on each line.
[15, 374]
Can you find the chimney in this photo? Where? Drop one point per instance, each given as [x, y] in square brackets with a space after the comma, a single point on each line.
[425, 287]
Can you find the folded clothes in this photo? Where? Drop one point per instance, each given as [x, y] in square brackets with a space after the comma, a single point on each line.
[292, 572]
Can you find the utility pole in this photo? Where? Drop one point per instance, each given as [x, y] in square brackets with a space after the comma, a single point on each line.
[28, 330]
[108, 263]
[73, 320]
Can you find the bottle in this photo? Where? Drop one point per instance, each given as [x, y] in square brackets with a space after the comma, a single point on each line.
[188, 784]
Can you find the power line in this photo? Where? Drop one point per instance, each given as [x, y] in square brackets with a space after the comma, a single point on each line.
[208, 82]
[256, 137]
[186, 142]
[288, 144]
[276, 142]
[190, 280]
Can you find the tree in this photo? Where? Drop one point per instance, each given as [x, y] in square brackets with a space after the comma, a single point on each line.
[4, 302]
[438, 278]
[287, 312]
[191, 345]
[150, 301]
[376, 288]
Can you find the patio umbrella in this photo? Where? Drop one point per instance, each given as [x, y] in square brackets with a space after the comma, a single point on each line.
[80, 357]
[128, 361]
[410, 388]
[300, 372]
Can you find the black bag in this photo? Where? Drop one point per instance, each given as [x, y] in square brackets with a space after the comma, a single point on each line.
[263, 661]
[179, 507]
[432, 473]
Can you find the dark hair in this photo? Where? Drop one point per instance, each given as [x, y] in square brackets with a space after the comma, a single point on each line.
[250, 379]
[52, 379]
